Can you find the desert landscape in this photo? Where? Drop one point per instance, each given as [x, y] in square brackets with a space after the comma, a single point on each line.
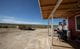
[13, 38]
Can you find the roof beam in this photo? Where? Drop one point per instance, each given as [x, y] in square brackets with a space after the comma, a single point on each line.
[68, 3]
[63, 9]
[55, 8]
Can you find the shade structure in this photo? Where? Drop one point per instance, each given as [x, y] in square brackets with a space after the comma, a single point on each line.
[66, 9]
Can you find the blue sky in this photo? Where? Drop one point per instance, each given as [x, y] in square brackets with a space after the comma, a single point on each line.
[22, 12]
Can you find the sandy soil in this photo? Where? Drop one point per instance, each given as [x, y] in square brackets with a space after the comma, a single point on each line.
[25, 39]
[22, 39]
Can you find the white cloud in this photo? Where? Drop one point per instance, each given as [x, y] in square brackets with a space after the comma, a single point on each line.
[8, 19]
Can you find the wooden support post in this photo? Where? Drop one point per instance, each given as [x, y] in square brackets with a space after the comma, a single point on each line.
[49, 27]
[51, 16]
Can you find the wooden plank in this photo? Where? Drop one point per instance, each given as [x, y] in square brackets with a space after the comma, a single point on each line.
[69, 3]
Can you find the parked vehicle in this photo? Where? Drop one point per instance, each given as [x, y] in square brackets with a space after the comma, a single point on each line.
[26, 28]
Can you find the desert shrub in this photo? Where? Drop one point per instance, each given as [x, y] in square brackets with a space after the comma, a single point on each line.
[4, 26]
[0, 26]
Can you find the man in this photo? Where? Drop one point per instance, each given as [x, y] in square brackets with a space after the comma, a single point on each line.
[59, 30]
[65, 30]
[64, 22]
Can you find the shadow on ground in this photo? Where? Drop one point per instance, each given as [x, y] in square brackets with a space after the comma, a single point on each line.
[74, 44]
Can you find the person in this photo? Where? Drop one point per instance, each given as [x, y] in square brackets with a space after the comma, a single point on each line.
[65, 30]
[59, 30]
[64, 22]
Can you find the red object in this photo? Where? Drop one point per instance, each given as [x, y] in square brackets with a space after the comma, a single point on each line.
[72, 27]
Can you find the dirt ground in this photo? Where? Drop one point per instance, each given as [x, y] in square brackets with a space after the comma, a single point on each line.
[25, 39]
